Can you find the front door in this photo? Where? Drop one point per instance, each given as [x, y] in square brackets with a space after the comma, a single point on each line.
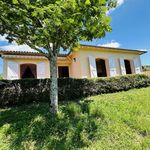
[101, 68]
[63, 71]
[128, 67]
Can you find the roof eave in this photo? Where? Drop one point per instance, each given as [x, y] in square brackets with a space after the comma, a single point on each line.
[111, 48]
[26, 53]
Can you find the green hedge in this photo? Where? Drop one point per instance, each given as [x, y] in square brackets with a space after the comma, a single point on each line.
[19, 92]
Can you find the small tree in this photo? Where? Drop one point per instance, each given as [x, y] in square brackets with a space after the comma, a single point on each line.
[48, 25]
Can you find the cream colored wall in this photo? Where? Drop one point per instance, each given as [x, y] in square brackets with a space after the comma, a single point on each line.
[20, 61]
[75, 65]
[78, 62]
[84, 64]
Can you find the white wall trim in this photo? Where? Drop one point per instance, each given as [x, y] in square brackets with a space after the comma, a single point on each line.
[23, 56]
[41, 70]
[122, 65]
[12, 70]
[137, 65]
[92, 66]
[112, 66]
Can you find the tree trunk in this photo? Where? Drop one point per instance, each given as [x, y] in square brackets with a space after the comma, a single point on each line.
[53, 83]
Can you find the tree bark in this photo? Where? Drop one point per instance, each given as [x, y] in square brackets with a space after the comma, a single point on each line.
[53, 83]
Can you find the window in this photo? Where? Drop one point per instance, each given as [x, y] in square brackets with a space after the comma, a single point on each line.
[63, 71]
[101, 68]
[128, 67]
[28, 71]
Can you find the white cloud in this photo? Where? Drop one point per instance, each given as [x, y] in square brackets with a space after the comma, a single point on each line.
[3, 38]
[112, 44]
[14, 46]
[120, 2]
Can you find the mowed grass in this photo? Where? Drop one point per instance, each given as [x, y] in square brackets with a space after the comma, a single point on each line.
[119, 121]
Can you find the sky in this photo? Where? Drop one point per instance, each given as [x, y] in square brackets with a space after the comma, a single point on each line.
[130, 29]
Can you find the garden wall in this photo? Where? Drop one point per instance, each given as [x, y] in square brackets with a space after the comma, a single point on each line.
[19, 92]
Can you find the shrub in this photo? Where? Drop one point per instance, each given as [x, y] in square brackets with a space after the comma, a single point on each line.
[17, 92]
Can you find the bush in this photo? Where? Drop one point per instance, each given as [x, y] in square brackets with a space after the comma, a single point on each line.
[17, 92]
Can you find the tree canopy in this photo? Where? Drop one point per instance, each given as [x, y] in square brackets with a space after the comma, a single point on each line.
[64, 23]
[48, 25]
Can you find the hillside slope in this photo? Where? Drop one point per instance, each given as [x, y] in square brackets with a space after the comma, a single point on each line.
[110, 121]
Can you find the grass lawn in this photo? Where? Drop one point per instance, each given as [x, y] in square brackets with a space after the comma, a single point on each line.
[119, 121]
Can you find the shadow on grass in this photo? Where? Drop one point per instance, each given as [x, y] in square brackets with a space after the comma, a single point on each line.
[32, 127]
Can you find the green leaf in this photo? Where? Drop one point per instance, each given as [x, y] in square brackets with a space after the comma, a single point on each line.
[15, 1]
[65, 22]
[87, 2]
[102, 2]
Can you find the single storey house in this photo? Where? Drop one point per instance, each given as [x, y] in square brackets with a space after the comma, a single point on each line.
[87, 62]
